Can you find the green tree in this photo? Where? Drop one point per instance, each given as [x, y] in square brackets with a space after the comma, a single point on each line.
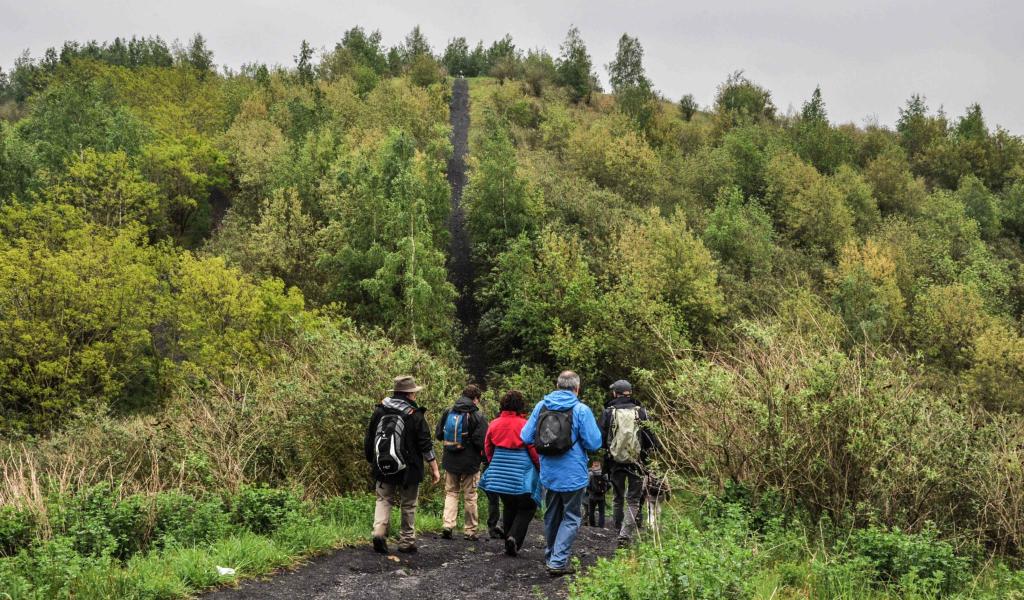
[740, 234]
[304, 64]
[982, 206]
[499, 202]
[109, 189]
[630, 83]
[574, 67]
[688, 107]
[739, 100]
[456, 58]
[538, 71]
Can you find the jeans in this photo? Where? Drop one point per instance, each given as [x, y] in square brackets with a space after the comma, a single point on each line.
[454, 483]
[595, 505]
[562, 519]
[391, 494]
[519, 511]
[493, 510]
[628, 488]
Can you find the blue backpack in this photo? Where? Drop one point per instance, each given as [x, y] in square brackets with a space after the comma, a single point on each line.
[456, 430]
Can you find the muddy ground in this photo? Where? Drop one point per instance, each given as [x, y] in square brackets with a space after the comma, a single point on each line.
[441, 570]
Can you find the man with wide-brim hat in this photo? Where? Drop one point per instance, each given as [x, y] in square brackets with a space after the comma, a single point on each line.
[397, 444]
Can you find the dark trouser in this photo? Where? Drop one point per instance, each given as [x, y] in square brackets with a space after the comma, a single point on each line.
[493, 510]
[596, 505]
[519, 511]
[628, 487]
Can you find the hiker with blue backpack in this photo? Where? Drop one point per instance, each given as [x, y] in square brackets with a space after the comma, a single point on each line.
[397, 444]
[461, 429]
[563, 430]
[512, 471]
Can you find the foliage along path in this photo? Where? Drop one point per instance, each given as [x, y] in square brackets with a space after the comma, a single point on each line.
[442, 569]
[460, 257]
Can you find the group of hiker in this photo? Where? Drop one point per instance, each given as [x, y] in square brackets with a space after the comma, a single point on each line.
[532, 460]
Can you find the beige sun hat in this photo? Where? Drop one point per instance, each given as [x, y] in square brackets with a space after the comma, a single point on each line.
[406, 383]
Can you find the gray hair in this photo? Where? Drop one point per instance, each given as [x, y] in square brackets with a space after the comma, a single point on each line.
[568, 380]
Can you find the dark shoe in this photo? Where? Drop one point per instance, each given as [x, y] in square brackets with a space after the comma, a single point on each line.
[446, 534]
[472, 537]
[380, 545]
[407, 549]
[561, 571]
[623, 542]
[511, 548]
[496, 533]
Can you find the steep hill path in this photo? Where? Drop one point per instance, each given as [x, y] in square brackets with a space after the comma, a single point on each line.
[441, 570]
[460, 258]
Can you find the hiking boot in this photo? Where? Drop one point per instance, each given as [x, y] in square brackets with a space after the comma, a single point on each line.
[496, 533]
[446, 534]
[407, 548]
[511, 548]
[472, 537]
[380, 545]
[561, 571]
[623, 542]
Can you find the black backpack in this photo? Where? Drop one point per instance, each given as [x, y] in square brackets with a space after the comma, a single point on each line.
[554, 432]
[389, 443]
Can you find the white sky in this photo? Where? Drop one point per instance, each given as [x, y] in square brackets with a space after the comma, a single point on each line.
[868, 56]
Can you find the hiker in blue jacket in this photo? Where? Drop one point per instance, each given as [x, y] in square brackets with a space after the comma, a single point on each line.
[563, 430]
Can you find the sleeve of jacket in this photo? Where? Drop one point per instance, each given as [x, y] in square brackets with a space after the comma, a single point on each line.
[649, 441]
[479, 433]
[489, 445]
[425, 443]
[439, 428]
[603, 426]
[371, 429]
[589, 432]
[530, 429]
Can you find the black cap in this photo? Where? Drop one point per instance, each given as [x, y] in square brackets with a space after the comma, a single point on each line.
[621, 387]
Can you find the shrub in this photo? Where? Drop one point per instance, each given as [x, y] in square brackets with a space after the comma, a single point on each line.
[262, 509]
[99, 523]
[17, 529]
[180, 519]
[919, 560]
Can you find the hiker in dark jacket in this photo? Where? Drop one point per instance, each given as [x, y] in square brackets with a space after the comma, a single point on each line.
[397, 461]
[627, 442]
[512, 471]
[462, 428]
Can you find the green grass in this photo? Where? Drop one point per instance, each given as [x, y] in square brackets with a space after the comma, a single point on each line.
[54, 569]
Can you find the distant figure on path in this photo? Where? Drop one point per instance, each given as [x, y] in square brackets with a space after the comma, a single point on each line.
[597, 490]
[563, 430]
[462, 428]
[627, 441]
[396, 445]
[512, 471]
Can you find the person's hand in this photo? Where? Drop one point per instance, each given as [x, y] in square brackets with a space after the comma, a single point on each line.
[435, 473]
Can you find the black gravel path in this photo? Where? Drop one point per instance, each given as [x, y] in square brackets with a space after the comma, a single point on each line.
[442, 570]
[460, 258]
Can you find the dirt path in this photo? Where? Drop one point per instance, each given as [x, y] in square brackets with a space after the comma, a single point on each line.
[460, 259]
[442, 570]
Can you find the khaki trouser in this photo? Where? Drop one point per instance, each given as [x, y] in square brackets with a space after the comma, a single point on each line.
[453, 484]
[389, 495]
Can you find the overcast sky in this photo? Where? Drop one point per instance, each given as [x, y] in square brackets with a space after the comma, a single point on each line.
[868, 56]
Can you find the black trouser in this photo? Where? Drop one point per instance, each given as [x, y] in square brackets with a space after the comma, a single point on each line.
[493, 510]
[519, 511]
[628, 489]
[596, 505]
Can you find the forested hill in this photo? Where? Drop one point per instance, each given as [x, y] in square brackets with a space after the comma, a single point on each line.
[208, 277]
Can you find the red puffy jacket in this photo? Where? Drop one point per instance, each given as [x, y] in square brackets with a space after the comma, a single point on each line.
[503, 432]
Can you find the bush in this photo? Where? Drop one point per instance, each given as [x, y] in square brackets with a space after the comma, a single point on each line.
[919, 560]
[99, 523]
[17, 529]
[262, 510]
[180, 519]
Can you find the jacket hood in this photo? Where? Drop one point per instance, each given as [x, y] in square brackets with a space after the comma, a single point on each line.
[466, 405]
[621, 401]
[399, 404]
[561, 400]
